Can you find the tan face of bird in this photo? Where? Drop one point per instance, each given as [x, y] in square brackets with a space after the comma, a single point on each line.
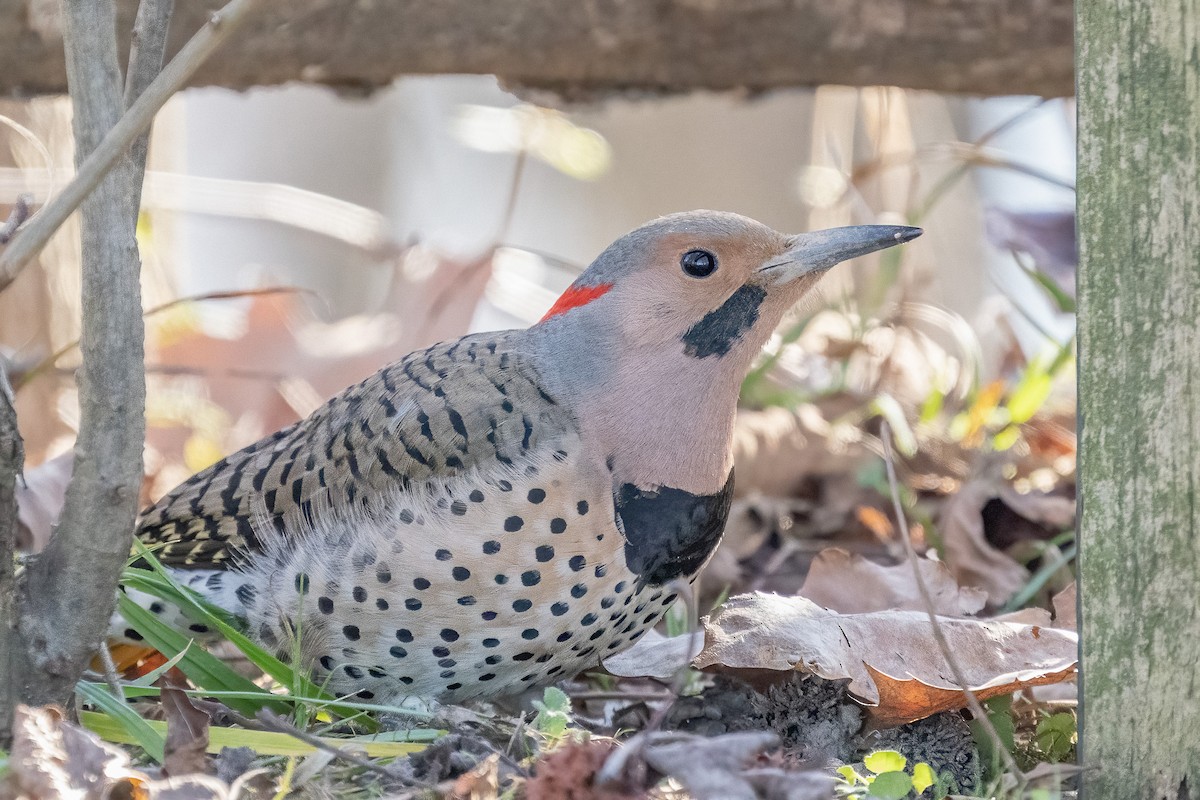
[709, 283]
[652, 342]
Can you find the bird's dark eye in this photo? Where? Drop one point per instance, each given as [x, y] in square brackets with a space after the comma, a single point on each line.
[698, 263]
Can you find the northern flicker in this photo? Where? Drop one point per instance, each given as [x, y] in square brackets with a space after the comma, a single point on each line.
[500, 511]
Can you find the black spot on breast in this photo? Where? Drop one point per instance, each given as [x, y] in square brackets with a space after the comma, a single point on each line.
[491, 547]
[351, 632]
[670, 532]
[720, 329]
[404, 635]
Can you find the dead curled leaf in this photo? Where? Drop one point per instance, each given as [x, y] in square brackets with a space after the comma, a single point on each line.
[185, 751]
[851, 584]
[52, 758]
[1065, 607]
[890, 657]
[655, 656]
[972, 559]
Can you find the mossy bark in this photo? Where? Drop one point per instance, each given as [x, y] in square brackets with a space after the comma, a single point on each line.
[1139, 388]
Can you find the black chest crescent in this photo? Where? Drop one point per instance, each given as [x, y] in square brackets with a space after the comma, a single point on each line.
[670, 533]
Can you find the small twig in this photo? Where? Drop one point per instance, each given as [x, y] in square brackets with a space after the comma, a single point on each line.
[885, 435]
[121, 136]
[274, 722]
[110, 672]
[16, 217]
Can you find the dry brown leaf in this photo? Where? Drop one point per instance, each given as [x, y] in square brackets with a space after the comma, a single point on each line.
[1065, 614]
[52, 759]
[721, 767]
[876, 522]
[40, 499]
[655, 656]
[972, 560]
[1048, 510]
[770, 632]
[569, 772]
[851, 584]
[187, 735]
[480, 783]
[903, 700]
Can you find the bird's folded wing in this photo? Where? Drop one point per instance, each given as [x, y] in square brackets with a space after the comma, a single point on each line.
[474, 403]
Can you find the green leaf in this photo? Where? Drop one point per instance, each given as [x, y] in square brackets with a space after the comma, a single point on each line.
[1056, 736]
[922, 777]
[850, 775]
[1029, 395]
[554, 713]
[999, 712]
[890, 786]
[137, 730]
[885, 761]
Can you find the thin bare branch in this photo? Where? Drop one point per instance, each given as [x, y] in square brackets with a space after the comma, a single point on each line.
[121, 136]
[18, 215]
[977, 709]
[146, 49]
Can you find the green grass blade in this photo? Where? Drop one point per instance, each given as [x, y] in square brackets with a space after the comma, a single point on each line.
[137, 730]
[202, 667]
[159, 583]
[267, 743]
[317, 702]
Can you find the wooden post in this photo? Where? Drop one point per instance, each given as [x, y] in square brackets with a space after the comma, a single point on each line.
[1138, 65]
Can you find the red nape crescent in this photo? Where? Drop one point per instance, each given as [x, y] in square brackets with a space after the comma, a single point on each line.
[574, 297]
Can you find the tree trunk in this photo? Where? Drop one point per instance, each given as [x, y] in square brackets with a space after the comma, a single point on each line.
[63, 602]
[584, 48]
[1139, 390]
